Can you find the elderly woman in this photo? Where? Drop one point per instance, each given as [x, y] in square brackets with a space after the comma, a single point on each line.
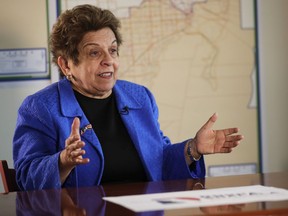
[90, 128]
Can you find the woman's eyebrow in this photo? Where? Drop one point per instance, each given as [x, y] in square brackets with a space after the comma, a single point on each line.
[96, 44]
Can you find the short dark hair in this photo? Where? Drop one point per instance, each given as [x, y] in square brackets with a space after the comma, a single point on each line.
[73, 24]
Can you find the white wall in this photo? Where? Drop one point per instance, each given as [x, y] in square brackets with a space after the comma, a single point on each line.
[11, 96]
[273, 58]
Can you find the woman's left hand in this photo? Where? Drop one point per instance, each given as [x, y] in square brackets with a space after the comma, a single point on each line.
[209, 141]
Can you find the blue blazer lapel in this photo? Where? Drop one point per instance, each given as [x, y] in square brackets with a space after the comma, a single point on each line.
[71, 108]
[144, 135]
[124, 99]
[126, 103]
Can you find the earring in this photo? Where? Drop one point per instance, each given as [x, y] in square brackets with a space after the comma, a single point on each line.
[69, 77]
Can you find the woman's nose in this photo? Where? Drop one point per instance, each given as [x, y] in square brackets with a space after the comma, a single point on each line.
[107, 60]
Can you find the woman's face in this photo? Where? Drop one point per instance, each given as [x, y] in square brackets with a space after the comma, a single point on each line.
[96, 73]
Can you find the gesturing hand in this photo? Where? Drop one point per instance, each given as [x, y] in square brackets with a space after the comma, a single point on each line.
[208, 141]
[73, 153]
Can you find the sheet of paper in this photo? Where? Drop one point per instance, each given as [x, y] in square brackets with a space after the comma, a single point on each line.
[200, 198]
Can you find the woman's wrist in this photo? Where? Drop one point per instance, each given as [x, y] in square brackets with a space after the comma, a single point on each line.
[192, 152]
[64, 168]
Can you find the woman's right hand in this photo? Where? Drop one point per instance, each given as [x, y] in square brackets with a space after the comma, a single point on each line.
[73, 153]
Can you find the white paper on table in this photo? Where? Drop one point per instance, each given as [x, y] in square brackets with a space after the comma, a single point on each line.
[199, 198]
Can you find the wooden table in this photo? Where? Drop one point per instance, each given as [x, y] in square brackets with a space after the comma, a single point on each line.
[88, 201]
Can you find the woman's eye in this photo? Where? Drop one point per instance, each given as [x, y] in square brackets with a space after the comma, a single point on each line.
[95, 53]
[114, 52]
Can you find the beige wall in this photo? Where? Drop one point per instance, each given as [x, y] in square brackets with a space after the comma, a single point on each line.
[273, 56]
[22, 25]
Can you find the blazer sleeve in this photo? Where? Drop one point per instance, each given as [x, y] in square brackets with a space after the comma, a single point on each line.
[35, 146]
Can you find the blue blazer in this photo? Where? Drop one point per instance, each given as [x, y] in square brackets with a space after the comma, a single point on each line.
[44, 123]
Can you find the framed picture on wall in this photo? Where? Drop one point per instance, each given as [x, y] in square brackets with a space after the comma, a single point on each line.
[23, 63]
[24, 34]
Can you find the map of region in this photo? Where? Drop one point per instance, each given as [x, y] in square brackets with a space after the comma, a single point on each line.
[197, 57]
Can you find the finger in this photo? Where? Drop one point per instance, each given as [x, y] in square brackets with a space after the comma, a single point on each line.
[77, 156]
[79, 145]
[233, 138]
[75, 128]
[209, 124]
[231, 144]
[71, 140]
[225, 150]
[76, 153]
[230, 131]
[82, 160]
[75, 145]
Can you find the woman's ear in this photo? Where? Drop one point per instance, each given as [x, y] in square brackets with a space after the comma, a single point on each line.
[63, 64]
